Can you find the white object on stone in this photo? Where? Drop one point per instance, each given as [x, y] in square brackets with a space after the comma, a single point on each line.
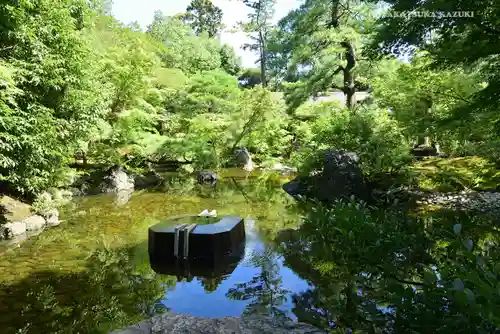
[10, 230]
[278, 166]
[206, 213]
[34, 222]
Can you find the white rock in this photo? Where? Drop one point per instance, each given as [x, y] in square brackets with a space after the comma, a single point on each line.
[10, 230]
[277, 166]
[206, 213]
[51, 217]
[34, 222]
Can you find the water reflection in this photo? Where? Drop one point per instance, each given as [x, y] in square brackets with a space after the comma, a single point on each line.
[351, 269]
[265, 289]
[258, 284]
[92, 273]
[122, 197]
[113, 291]
[391, 271]
[205, 269]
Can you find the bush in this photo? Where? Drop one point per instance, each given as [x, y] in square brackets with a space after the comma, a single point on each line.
[383, 270]
[372, 134]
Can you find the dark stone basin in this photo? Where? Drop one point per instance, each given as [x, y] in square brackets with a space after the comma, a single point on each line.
[209, 241]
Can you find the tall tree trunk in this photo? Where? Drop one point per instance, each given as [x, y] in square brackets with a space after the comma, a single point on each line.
[349, 88]
[263, 59]
[350, 55]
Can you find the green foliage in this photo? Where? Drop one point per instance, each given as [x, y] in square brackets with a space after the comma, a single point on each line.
[210, 116]
[53, 98]
[457, 174]
[258, 29]
[262, 124]
[230, 62]
[371, 133]
[473, 40]
[250, 78]
[203, 16]
[421, 99]
[383, 270]
[322, 40]
[182, 48]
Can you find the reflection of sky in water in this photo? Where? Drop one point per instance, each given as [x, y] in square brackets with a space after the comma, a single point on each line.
[191, 298]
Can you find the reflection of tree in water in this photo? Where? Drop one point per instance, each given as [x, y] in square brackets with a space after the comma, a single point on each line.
[264, 289]
[374, 271]
[210, 284]
[112, 292]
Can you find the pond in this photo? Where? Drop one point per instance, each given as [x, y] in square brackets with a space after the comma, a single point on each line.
[351, 268]
[92, 273]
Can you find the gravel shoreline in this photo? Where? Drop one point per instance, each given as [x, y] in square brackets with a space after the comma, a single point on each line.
[466, 200]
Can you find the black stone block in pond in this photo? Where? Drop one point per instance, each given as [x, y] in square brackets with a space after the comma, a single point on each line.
[211, 239]
[204, 268]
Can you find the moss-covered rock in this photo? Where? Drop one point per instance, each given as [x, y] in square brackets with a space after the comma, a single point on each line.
[12, 210]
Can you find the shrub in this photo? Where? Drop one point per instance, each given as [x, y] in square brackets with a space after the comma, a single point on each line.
[371, 133]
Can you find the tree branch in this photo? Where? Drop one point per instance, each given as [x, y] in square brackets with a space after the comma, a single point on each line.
[407, 282]
[338, 70]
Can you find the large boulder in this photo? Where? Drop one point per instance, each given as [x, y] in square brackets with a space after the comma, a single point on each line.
[51, 216]
[12, 210]
[12, 216]
[244, 159]
[338, 176]
[207, 177]
[12, 229]
[117, 180]
[34, 223]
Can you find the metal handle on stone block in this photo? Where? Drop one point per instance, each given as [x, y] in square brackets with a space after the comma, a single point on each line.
[177, 229]
[187, 230]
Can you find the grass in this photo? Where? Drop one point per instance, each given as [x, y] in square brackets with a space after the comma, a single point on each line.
[455, 174]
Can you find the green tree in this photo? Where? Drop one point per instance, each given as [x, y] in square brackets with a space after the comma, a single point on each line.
[325, 38]
[421, 98]
[204, 16]
[230, 62]
[182, 48]
[473, 39]
[53, 99]
[250, 78]
[258, 28]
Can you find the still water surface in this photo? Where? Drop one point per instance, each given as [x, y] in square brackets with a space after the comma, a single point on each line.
[92, 273]
[355, 269]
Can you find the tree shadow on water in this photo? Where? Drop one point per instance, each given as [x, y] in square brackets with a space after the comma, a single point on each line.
[393, 271]
[264, 289]
[112, 291]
